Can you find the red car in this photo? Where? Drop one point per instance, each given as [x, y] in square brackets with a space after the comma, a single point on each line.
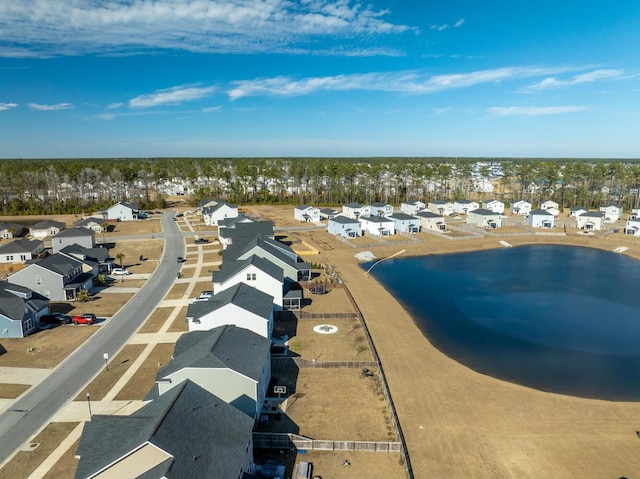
[87, 318]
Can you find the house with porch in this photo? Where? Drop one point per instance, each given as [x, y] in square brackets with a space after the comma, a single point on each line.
[240, 305]
[97, 260]
[520, 207]
[632, 227]
[540, 218]
[328, 213]
[431, 221]
[97, 225]
[590, 221]
[254, 271]
[377, 209]
[441, 207]
[20, 310]
[57, 277]
[612, 212]
[185, 433]
[576, 211]
[353, 210]
[11, 230]
[550, 206]
[377, 225]
[462, 207]
[212, 215]
[412, 207]
[80, 236]
[494, 205]
[231, 363]
[484, 218]
[241, 232]
[21, 250]
[306, 214]
[405, 223]
[122, 211]
[344, 226]
[635, 213]
[46, 228]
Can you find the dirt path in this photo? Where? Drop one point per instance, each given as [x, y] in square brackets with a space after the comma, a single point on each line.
[459, 423]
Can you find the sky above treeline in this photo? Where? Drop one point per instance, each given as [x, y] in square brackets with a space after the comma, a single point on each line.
[338, 78]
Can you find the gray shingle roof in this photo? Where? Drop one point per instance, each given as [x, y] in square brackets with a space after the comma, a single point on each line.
[60, 263]
[76, 232]
[43, 225]
[540, 212]
[13, 306]
[231, 268]
[241, 295]
[23, 245]
[484, 212]
[250, 230]
[206, 436]
[239, 249]
[354, 205]
[228, 346]
[402, 216]
[376, 219]
[231, 222]
[343, 220]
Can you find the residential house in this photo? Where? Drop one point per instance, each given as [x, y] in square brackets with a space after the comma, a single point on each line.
[353, 210]
[20, 251]
[206, 203]
[632, 227]
[550, 206]
[122, 211]
[11, 230]
[243, 231]
[344, 226]
[293, 267]
[484, 218]
[231, 363]
[212, 215]
[590, 221]
[540, 218]
[20, 310]
[412, 207]
[306, 213]
[377, 209]
[58, 277]
[494, 205]
[94, 224]
[240, 305]
[463, 207]
[185, 433]
[80, 236]
[97, 260]
[441, 207]
[431, 221]
[46, 228]
[521, 207]
[576, 211]
[405, 223]
[377, 225]
[612, 212]
[254, 271]
[635, 213]
[232, 222]
[328, 213]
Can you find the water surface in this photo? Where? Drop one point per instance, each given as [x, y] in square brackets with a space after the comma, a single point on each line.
[557, 318]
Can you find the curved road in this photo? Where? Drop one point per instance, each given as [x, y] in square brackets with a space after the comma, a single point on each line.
[40, 404]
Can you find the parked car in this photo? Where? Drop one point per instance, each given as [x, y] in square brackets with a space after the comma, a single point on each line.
[201, 241]
[120, 271]
[181, 259]
[86, 318]
[55, 318]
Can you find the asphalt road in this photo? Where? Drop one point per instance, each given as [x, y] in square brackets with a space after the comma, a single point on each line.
[41, 403]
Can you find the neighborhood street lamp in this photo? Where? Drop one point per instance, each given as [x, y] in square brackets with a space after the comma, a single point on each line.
[89, 403]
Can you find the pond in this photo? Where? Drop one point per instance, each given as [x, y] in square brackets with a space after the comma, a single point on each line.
[556, 318]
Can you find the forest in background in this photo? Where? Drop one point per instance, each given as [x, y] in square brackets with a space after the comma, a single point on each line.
[63, 186]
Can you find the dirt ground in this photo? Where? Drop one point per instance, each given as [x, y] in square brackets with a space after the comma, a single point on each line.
[144, 379]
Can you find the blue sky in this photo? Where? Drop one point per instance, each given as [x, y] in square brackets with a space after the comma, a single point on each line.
[140, 78]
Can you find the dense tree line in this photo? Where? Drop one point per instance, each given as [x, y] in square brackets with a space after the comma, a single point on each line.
[84, 185]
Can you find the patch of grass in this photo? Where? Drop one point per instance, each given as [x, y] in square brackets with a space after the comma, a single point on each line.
[103, 383]
[25, 462]
[177, 291]
[180, 324]
[156, 320]
[66, 465]
[12, 391]
[138, 387]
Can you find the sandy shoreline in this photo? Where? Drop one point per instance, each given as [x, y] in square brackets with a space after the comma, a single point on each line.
[459, 423]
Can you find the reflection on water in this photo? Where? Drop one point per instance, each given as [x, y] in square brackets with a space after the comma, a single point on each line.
[557, 318]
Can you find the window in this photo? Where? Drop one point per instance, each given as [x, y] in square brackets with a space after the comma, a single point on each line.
[38, 281]
[251, 276]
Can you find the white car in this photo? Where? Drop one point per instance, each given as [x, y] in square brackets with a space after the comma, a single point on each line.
[120, 271]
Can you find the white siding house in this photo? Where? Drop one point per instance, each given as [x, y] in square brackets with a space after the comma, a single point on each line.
[550, 206]
[20, 251]
[590, 221]
[405, 223]
[353, 210]
[632, 227]
[378, 209]
[612, 212]
[464, 206]
[521, 207]
[123, 211]
[431, 221]
[378, 225]
[441, 207]
[213, 214]
[494, 205]
[46, 228]
[306, 213]
[483, 218]
[344, 226]
[412, 207]
[540, 218]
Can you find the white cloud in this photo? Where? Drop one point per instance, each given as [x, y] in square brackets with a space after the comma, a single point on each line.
[438, 111]
[171, 96]
[588, 77]
[76, 27]
[211, 108]
[403, 82]
[113, 106]
[57, 106]
[7, 106]
[439, 28]
[534, 110]
[459, 23]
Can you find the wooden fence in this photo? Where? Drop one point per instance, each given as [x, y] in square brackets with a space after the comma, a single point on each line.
[265, 440]
[310, 364]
